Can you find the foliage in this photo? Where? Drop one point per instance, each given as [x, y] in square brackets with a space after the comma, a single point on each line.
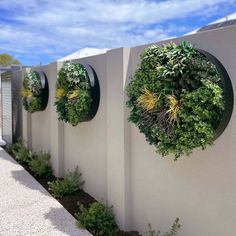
[7, 60]
[176, 98]
[98, 219]
[73, 96]
[40, 164]
[32, 92]
[173, 231]
[14, 147]
[22, 153]
[70, 184]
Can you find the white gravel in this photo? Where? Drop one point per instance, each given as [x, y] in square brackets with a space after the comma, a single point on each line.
[27, 209]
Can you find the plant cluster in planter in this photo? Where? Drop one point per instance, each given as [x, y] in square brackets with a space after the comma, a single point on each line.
[33, 93]
[73, 93]
[176, 98]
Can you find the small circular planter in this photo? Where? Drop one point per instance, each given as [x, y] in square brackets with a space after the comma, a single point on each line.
[41, 95]
[227, 89]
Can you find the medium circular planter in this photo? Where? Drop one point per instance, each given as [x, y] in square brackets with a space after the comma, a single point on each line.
[77, 93]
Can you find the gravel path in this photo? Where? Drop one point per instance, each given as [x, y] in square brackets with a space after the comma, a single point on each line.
[27, 209]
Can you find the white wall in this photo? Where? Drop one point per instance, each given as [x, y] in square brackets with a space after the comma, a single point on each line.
[200, 189]
[119, 166]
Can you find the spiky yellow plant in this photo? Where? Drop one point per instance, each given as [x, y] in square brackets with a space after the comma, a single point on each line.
[174, 105]
[73, 94]
[60, 93]
[148, 100]
[26, 93]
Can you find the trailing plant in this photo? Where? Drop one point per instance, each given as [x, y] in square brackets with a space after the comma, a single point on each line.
[98, 219]
[173, 231]
[70, 184]
[31, 93]
[40, 164]
[176, 98]
[73, 95]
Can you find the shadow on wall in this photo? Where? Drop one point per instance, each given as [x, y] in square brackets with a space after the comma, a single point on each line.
[63, 222]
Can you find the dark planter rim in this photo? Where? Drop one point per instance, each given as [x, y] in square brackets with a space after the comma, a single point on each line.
[45, 88]
[95, 92]
[227, 89]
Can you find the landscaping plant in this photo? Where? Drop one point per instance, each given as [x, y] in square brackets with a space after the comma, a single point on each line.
[32, 94]
[22, 153]
[40, 164]
[173, 231]
[14, 147]
[70, 184]
[176, 98]
[73, 95]
[98, 219]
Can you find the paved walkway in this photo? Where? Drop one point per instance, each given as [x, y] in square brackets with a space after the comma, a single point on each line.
[26, 208]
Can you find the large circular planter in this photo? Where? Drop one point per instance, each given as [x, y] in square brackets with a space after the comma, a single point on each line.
[180, 98]
[78, 93]
[42, 96]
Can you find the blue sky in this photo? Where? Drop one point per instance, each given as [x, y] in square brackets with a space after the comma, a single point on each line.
[42, 31]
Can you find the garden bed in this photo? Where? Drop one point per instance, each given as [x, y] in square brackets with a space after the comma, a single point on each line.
[70, 202]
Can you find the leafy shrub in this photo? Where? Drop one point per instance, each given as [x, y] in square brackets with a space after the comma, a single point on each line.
[71, 183]
[176, 98]
[73, 96]
[173, 231]
[40, 164]
[11, 148]
[97, 219]
[22, 153]
[32, 92]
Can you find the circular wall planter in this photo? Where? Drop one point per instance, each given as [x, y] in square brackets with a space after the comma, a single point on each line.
[37, 91]
[78, 93]
[227, 89]
[180, 98]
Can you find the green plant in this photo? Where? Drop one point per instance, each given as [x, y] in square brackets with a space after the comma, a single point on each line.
[40, 164]
[11, 148]
[176, 98]
[22, 153]
[97, 219]
[73, 96]
[32, 92]
[71, 183]
[173, 231]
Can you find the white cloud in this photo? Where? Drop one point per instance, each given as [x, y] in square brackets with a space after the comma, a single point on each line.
[57, 28]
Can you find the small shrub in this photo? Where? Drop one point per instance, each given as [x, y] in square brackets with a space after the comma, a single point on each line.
[71, 183]
[22, 154]
[173, 231]
[40, 164]
[11, 148]
[98, 219]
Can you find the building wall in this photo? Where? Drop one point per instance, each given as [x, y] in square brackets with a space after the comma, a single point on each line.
[119, 166]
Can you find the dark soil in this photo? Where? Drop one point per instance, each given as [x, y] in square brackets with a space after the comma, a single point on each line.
[71, 202]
